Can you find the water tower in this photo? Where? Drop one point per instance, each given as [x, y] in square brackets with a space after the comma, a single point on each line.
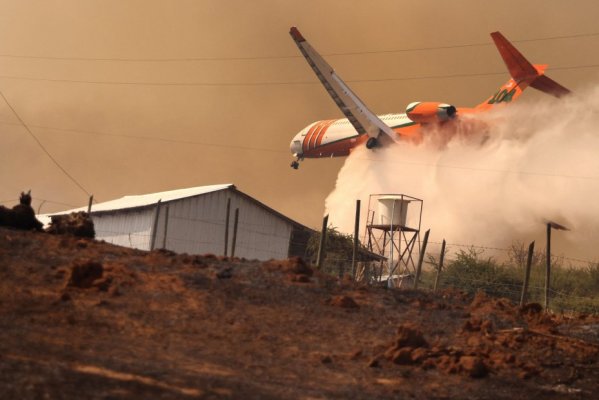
[392, 230]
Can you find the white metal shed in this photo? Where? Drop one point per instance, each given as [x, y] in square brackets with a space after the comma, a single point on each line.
[193, 220]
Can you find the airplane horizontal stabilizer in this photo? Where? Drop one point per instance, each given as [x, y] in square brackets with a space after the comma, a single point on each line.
[548, 85]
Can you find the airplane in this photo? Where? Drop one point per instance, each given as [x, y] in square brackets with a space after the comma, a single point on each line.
[338, 137]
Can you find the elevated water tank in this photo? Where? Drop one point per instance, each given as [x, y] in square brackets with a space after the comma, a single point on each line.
[392, 210]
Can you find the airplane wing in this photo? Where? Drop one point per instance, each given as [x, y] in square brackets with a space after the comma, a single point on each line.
[363, 120]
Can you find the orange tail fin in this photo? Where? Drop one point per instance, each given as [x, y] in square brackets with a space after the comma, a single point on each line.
[523, 74]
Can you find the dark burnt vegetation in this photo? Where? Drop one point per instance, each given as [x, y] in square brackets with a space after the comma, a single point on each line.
[21, 216]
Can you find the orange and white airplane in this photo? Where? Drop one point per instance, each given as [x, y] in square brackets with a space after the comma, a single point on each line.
[337, 137]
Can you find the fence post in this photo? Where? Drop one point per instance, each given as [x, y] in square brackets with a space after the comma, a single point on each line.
[356, 240]
[89, 205]
[155, 226]
[235, 222]
[322, 245]
[531, 250]
[227, 225]
[440, 268]
[165, 227]
[548, 267]
[421, 259]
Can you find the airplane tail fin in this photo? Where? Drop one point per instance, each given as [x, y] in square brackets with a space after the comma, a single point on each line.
[523, 74]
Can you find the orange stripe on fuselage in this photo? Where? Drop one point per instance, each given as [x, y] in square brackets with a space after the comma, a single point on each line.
[325, 127]
[306, 143]
[312, 143]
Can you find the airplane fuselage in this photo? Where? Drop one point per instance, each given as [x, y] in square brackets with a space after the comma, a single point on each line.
[336, 138]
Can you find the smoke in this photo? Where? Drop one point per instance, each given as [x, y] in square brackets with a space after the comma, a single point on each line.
[534, 162]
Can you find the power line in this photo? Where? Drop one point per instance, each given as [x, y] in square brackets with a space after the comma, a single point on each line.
[485, 169]
[272, 83]
[39, 199]
[8, 201]
[64, 171]
[149, 138]
[458, 46]
[247, 148]
[251, 58]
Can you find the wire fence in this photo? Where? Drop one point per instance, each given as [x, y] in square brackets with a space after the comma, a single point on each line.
[572, 288]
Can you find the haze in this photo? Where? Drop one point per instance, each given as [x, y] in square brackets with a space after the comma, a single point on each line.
[124, 99]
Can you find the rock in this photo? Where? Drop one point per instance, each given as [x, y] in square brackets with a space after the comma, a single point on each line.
[225, 273]
[403, 356]
[293, 265]
[84, 273]
[65, 296]
[344, 302]
[531, 308]
[473, 366]
[419, 354]
[297, 266]
[103, 284]
[326, 359]
[410, 336]
[301, 278]
[447, 364]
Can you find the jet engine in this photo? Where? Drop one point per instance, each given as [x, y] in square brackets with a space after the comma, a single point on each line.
[430, 112]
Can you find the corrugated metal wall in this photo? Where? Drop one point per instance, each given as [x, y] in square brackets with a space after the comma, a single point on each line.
[196, 225]
[132, 228]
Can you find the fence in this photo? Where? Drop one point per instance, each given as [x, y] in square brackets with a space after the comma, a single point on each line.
[561, 283]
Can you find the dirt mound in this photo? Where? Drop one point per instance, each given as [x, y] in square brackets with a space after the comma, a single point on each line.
[85, 273]
[408, 335]
[78, 224]
[408, 346]
[344, 302]
[158, 324]
[497, 337]
[295, 267]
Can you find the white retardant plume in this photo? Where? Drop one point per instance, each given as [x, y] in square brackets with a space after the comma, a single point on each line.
[536, 162]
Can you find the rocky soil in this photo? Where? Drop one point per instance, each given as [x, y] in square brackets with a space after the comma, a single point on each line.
[85, 319]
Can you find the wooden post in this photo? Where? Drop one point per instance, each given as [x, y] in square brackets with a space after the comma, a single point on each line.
[531, 250]
[227, 225]
[323, 242]
[235, 222]
[89, 205]
[356, 240]
[548, 265]
[440, 267]
[165, 227]
[421, 259]
[155, 225]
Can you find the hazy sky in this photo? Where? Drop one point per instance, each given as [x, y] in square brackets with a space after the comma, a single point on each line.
[141, 96]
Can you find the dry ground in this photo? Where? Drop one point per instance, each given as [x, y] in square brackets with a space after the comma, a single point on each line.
[84, 319]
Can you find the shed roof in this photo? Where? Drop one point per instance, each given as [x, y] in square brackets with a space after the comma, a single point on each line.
[150, 199]
[143, 200]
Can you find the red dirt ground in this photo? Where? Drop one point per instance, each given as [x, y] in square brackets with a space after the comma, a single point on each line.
[85, 319]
